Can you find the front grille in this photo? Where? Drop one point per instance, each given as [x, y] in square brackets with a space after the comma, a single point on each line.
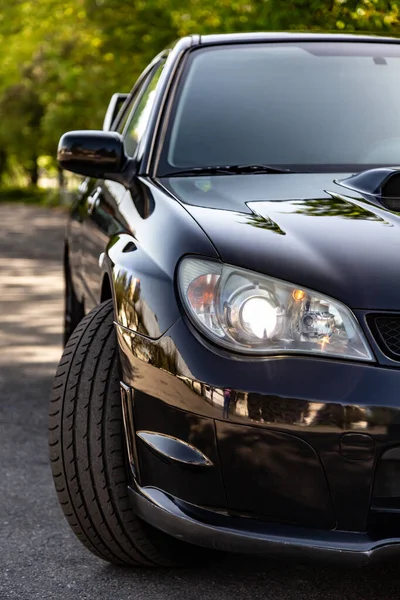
[388, 330]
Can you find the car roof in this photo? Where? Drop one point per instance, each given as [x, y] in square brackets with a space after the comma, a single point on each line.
[284, 36]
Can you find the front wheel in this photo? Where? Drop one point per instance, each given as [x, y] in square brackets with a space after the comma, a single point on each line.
[87, 451]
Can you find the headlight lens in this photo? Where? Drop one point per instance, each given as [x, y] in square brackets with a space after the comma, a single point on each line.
[252, 313]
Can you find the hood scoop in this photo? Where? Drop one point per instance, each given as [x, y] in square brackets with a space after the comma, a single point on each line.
[383, 184]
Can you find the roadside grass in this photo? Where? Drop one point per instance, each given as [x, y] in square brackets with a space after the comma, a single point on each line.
[31, 195]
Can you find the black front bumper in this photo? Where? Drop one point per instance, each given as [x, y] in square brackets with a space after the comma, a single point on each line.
[234, 534]
[293, 448]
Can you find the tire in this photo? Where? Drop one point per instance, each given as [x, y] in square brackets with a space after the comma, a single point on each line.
[73, 310]
[87, 452]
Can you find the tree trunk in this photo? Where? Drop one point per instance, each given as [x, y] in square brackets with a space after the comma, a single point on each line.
[61, 179]
[3, 164]
[34, 172]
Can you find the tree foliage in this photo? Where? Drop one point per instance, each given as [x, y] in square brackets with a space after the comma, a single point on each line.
[62, 59]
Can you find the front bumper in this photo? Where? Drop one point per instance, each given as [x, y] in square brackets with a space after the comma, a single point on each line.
[234, 534]
[293, 447]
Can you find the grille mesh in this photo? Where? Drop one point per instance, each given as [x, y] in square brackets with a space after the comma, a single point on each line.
[389, 332]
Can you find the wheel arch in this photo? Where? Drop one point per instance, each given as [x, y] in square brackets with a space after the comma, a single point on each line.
[106, 291]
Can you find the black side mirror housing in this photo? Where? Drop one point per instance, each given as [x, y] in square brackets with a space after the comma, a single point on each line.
[97, 154]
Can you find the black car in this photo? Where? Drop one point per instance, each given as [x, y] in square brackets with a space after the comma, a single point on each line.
[231, 374]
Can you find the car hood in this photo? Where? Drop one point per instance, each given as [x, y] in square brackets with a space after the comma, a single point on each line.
[303, 228]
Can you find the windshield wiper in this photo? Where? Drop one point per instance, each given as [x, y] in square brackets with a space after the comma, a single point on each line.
[227, 170]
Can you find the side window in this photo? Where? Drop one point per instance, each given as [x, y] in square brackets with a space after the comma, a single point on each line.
[122, 120]
[139, 118]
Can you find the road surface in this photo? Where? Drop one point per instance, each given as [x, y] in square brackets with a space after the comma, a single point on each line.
[39, 556]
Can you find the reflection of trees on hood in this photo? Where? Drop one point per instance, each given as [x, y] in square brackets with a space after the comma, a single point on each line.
[264, 223]
[335, 207]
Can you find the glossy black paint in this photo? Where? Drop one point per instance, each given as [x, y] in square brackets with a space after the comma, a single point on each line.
[317, 400]
[294, 442]
[92, 153]
[387, 480]
[302, 228]
[235, 534]
[142, 264]
[199, 484]
[371, 182]
[281, 477]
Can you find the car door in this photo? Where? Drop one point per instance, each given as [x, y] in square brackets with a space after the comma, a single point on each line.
[103, 219]
[75, 237]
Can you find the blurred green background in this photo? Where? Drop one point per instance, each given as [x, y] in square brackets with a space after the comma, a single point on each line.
[62, 61]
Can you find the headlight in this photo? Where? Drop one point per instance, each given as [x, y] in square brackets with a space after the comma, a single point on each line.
[252, 313]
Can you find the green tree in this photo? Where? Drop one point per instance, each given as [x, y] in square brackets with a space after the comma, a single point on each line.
[63, 59]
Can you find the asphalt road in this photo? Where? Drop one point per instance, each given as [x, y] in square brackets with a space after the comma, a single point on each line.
[39, 556]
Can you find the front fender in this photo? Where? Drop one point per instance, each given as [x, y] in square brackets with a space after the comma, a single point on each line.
[141, 260]
[143, 293]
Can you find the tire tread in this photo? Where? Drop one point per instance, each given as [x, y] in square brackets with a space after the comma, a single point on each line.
[86, 446]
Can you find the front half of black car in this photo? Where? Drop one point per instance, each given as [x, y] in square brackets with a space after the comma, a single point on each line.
[251, 281]
[279, 451]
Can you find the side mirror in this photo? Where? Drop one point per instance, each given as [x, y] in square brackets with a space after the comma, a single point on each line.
[115, 105]
[93, 154]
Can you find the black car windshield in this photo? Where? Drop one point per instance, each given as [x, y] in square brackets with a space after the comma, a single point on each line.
[314, 106]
